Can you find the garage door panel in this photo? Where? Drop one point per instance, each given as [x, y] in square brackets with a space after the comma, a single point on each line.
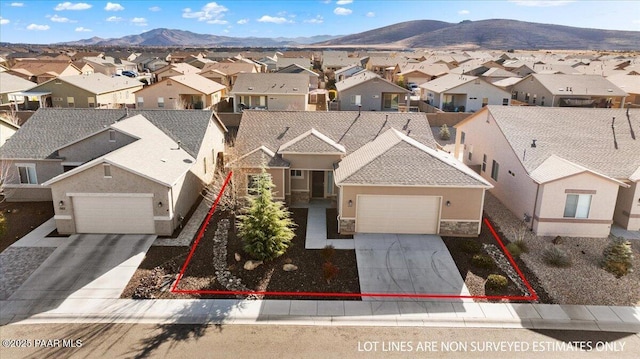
[113, 214]
[398, 214]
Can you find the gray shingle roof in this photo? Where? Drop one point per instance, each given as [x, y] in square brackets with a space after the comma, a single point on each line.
[348, 128]
[580, 135]
[11, 83]
[589, 85]
[394, 159]
[97, 83]
[271, 83]
[51, 128]
[260, 156]
[312, 142]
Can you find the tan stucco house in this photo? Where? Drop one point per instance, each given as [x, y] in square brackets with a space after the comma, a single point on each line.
[114, 171]
[564, 171]
[367, 91]
[381, 170]
[181, 92]
[462, 93]
[271, 91]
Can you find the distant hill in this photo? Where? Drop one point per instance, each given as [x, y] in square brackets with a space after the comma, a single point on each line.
[492, 34]
[172, 37]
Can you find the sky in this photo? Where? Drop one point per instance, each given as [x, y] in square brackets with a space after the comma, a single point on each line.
[45, 22]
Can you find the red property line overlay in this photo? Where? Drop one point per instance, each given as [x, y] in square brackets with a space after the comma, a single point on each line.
[174, 288]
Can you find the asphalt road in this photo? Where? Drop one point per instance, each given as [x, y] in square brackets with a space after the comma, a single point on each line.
[271, 341]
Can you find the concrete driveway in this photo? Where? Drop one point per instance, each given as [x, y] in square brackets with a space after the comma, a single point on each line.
[408, 264]
[86, 266]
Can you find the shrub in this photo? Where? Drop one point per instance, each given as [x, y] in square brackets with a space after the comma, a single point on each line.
[483, 261]
[329, 271]
[470, 246]
[519, 235]
[556, 257]
[445, 134]
[618, 257]
[328, 252]
[514, 249]
[522, 245]
[496, 281]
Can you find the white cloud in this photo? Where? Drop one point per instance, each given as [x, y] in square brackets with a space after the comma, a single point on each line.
[274, 20]
[83, 29]
[139, 21]
[218, 22]
[344, 2]
[17, 4]
[243, 21]
[536, 3]
[371, 14]
[4, 21]
[113, 7]
[342, 11]
[316, 20]
[211, 11]
[56, 18]
[114, 19]
[155, 8]
[38, 27]
[71, 6]
[463, 12]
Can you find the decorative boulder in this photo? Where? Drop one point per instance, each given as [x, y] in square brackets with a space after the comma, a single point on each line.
[251, 265]
[237, 257]
[289, 267]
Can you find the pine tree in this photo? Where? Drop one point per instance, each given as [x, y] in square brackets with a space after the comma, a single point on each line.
[444, 133]
[265, 227]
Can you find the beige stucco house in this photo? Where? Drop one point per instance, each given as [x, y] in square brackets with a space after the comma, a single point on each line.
[175, 69]
[271, 91]
[114, 171]
[367, 91]
[181, 92]
[564, 171]
[7, 129]
[462, 93]
[381, 170]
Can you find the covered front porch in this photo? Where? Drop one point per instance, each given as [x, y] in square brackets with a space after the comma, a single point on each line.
[307, 185]
[30, 100]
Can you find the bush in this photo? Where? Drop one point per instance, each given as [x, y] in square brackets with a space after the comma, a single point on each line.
[618, 257]
[444, 132]
[496, 281]
[483, 261]
[522, 245]
[329, 271]
[514, 249]
[556, 257]
[328, 252]
[470, 246]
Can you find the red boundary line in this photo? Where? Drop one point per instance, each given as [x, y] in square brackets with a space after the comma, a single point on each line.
[174, 288]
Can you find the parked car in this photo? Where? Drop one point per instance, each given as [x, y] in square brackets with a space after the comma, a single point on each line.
[129, 73]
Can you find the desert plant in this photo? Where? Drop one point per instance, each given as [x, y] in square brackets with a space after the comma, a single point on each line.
[556, 257]
[470, 246]
[445, 134]
[514, 249]
[496, 281]
[328, 252]
[265, 227]
[618, 257]
[483, 261]
[519, 235]
[329, 271]
[522, 245]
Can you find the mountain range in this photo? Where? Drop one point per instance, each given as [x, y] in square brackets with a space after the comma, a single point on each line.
[488, 34]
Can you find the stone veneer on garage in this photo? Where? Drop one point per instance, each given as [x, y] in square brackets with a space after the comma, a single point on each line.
[299, 197]
[451, 228]
[347, 226]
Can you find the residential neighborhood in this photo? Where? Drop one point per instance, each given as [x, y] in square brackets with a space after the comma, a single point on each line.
[319, 182]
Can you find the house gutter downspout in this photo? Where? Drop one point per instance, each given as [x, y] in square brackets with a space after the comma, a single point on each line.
[535, 204]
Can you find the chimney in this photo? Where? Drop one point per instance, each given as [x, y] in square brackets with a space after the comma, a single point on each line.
[533, 144]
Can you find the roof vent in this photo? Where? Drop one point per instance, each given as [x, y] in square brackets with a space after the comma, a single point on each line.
[295, 89]
[533, 144]
[250, 88]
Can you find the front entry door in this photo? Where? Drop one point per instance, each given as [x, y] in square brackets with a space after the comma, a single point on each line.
[317, 184]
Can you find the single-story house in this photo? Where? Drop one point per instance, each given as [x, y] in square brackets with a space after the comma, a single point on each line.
[271, 91]
[369, 92]
[559, 90]
[174, 70]
[181, 92]
[463, 93]
[40, 71]
[564, 171]
[382, 170]
[114, 171]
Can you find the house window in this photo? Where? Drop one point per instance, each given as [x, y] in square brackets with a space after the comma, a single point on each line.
[542, 101]
[485, 101]
[535, 98]
[161, 102]
[71, 102]
[356, 100]
[390, 101]
[140, 102]
[107, 170]
[91, 101]
[470, 156]
[484, 163]
[526, 97]
[577, 206]
[297, 174]
[27, 173]
[495, 167]
[112, 135]
[313, 98]
[505, 102]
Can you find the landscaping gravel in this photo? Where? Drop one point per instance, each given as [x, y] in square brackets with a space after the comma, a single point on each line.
[17, 264]
[584, 282]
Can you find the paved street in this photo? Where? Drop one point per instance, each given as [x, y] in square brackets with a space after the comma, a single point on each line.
[279, 341]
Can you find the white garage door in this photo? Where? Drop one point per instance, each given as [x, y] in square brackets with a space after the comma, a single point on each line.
[113, 214]
[398, 214]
